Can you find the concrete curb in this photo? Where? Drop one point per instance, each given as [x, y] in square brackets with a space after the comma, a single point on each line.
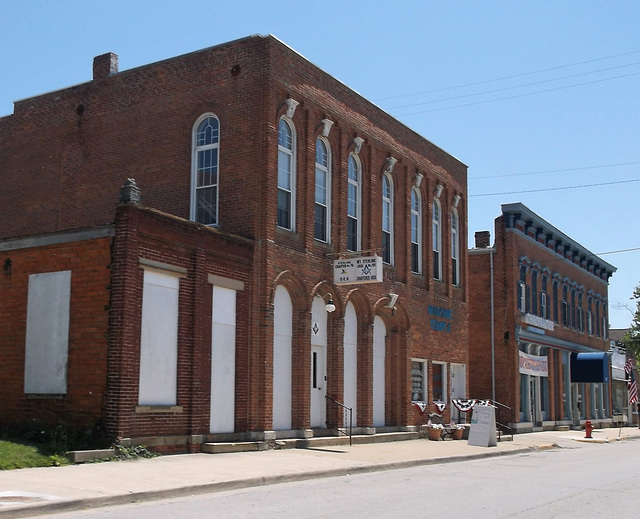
[155, 495]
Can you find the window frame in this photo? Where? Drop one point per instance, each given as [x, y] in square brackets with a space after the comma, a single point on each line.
[416, 217]
[195, 155]
[436, 239]
[455, 248]
[289, 191]
[424, 380]
[388, 206]
[326, 170]
[356, 218]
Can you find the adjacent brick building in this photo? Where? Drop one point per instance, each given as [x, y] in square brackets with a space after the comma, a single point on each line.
[195, 308]
[538, 324]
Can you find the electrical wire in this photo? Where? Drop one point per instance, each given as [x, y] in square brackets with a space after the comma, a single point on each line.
[559, 67]
[556, 170]
[556, 188]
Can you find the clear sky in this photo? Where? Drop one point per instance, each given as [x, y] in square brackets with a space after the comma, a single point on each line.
[539, 99]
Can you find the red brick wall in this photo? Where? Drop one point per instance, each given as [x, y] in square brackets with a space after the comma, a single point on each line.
[88, 262]
[83, 142]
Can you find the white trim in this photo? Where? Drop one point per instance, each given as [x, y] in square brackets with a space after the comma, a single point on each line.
[292, 172]
[195, 149]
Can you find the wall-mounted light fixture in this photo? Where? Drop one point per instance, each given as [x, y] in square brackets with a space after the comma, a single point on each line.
[456, 201]
[392, 300]
[418, 179]
[438, 190]
[330, 307]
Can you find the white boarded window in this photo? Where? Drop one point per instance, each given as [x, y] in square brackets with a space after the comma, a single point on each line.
[47, 337]
[159, 339]
[223, 360]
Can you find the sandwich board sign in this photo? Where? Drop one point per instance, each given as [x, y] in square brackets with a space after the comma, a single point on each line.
[483, 426]
[366, 269]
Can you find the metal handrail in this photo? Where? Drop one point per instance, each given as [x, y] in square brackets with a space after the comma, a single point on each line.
[334, 405]
[507, 429]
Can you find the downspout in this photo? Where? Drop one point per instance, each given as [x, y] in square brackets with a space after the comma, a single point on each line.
[493, 342]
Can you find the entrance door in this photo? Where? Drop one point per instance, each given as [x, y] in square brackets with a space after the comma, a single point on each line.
[533, 402]
[318, 386]
[379, 335]
[318, 363]
[458, 385]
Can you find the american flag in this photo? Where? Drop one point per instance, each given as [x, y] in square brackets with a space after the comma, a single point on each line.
[633, 387]
[628, 366]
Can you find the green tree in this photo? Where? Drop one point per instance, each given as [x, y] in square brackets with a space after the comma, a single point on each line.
[631, 339]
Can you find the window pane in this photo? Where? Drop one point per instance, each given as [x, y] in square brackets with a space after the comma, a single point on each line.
[208, 132]
[284, 214]
[352, 234]
[284, 170]
[417, 382]
[284, 135]
[321, 223]
[206, 202]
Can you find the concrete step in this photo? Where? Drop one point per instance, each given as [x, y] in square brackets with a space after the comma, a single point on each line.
[307, 443]
[224, 447]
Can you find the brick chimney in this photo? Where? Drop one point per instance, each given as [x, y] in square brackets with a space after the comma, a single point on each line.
[105, 65]
[483, 239]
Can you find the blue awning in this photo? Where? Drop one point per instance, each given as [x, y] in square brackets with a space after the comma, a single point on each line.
[590, 367]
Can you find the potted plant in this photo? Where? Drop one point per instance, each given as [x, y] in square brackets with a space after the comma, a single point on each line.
[435, 430]
[458, 430]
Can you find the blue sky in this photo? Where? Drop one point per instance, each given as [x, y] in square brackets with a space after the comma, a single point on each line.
[537, 98]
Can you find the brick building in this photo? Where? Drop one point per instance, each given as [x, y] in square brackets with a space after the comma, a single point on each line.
[538, 324]
[193, 305]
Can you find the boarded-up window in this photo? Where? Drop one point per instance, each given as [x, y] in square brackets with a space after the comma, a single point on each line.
[47, 337]
[159, 339]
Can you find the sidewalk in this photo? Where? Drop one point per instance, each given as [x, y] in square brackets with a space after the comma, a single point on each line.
[29, 492]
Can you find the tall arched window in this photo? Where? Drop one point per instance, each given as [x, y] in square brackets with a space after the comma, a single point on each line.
[353, 204]
[286, 175]
[204, 178]
[387, 219]
[437, 239]
[416, 232]
[323, 192]
[455, 248]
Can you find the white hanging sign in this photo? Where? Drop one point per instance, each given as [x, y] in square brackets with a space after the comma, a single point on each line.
[366, 269]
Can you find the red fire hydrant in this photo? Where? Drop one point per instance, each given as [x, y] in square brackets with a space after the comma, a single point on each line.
[588, 427]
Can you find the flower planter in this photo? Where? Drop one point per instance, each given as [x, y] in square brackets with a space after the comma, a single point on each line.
[457, 434]
[435, 434]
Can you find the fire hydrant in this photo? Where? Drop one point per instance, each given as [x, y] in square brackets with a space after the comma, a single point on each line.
[588, 427]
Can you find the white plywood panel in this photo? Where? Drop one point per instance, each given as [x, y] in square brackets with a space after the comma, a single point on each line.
[47, 335]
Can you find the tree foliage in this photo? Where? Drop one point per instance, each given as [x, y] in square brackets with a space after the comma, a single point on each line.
[631, 339]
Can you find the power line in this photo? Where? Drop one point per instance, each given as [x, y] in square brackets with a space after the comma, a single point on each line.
[557, 188]
[557, 170]
[518, 95]
[513, 87]
[508, 77]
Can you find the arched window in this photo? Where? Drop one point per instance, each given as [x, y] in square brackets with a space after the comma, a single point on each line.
[387, 219]
[437, 239]
[455, 248]
[353, 204]
[416, 232]
[323, 192]
[204, 178]
[286, 175]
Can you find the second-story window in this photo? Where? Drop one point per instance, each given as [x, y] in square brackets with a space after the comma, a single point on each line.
[589, 316]
[555, 300]
[579, 314]
[387, 219]
[455, 248]
[565, 306]
[323, 191]
[437, 239]
[286, 175]
[353, 204]
[416, 232]
[204, 183]
[534, 292]
[522, 289]
[544, 309]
